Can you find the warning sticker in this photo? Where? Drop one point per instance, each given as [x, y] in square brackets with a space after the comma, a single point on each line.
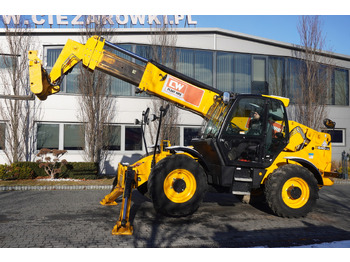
[183, 90]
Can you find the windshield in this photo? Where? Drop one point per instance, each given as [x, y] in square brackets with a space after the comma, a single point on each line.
[215, 118]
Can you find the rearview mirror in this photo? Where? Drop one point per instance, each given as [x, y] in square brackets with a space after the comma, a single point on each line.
[329, 123]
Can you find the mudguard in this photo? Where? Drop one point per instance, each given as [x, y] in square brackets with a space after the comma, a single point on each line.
[310, 166]
[192, 152]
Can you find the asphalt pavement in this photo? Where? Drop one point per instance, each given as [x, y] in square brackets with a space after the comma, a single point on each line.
[74, 218]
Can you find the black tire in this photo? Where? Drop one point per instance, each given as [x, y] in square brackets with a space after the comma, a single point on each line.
[177, 185]
[291, 191]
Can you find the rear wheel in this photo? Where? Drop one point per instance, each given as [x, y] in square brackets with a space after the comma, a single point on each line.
[177, 185]
[291, 191]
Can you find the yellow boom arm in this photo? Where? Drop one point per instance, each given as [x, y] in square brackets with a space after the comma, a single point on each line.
[153, 78]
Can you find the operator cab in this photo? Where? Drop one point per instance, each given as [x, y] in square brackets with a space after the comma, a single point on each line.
[249, 130]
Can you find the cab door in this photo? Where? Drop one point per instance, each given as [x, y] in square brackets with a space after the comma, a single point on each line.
[254, 132]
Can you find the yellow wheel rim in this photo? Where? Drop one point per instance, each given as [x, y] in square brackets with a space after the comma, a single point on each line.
[180, 185]
[295, 192]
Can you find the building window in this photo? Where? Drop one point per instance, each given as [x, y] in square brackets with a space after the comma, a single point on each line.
[235, 72]
[259, 69]
[242, 71]
[8, 61]
[189, 134]
[171, 133]
[114, 138]
[60, 136]
[196, 64]
[47, 136]
[133, 138]
[2, 135]
[259, 83]
[185, 62]
[203, 67]
[337, 136]
[72, 80]
[145, 51]
[73, 137]
[293, 78]
[341, 87]
[275, 76]
[119, 87]
[69, 136]
[52, 53]
[324, 74]
[224, 71]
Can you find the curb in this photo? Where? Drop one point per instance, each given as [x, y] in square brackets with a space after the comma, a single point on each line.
[101, 187]
[341, 181]
[42, 188]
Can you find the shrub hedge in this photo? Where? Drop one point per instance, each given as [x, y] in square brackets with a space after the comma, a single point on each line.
[11, 172]
[31, 170]
[80, 170]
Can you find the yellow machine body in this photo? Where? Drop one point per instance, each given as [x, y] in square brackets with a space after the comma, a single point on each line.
[306, 146]
[309, 145]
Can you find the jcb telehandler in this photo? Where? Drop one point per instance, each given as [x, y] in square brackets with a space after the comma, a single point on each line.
[246, 142]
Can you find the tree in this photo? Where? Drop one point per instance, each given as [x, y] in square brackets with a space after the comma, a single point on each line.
[313, 74]
[52, 165]
[97, 107]
[17, 107]
[163, 50]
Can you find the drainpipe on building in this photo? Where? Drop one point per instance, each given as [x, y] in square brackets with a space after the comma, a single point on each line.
[344, 157]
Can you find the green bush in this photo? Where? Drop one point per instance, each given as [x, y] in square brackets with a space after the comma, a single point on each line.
[340, 171]
[14, 171]
[38, 172]
[31, 170]
[4, 172]
[80, 170]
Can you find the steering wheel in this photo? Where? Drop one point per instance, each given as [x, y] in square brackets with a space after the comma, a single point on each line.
[232, 129]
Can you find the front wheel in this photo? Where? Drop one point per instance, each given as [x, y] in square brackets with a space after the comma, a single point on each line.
[177, 185]
[291, 191]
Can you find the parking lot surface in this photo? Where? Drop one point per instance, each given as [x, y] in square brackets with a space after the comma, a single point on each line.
[74, 218]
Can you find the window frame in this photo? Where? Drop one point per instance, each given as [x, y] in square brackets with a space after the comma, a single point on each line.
[182, 133]
[37, 134]
[63, 86]
[337, 144]
[3, 143]
[61, 128]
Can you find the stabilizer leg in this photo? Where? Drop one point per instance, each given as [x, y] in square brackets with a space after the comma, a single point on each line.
[118, 187]
[123, 226]
[109, 200]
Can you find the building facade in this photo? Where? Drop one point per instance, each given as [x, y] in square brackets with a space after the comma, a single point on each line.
[226, 60]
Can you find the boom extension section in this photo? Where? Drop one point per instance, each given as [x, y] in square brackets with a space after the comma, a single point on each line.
[153, 78]
[92, 55]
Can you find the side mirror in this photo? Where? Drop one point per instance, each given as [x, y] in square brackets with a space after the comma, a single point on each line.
[329, 123]
[164, 110]
[154, 117]
[145, 116]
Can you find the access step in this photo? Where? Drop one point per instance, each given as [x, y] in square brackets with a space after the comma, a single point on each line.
[241, 188]
[242, 181]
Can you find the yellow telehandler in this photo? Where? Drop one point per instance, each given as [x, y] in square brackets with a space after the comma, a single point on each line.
[246, 144]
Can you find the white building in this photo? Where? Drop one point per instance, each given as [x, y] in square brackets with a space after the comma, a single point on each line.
[224, 59]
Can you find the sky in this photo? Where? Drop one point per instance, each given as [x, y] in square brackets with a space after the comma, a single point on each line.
[336, 28]
[271, 19]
